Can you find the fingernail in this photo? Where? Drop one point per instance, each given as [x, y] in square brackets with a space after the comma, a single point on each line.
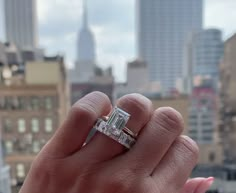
[210, 181]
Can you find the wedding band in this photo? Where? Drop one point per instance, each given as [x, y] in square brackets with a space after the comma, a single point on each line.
[114, 127]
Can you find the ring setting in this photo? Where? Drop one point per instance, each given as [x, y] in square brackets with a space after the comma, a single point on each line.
[114, 127]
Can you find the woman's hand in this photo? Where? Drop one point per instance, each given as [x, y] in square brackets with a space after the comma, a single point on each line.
[160, 161]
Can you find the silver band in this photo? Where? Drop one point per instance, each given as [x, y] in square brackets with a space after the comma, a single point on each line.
[114, 127]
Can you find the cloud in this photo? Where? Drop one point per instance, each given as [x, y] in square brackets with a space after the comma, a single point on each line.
[113, 23]
[221, 14]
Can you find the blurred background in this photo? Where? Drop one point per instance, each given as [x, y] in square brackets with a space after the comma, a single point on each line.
[178, 53]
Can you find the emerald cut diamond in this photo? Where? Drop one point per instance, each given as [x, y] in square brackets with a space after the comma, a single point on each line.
[117, 121]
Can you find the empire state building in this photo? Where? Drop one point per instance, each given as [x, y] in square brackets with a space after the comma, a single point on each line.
[86, 54]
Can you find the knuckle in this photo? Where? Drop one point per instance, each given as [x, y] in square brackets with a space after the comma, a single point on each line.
[188, 147]
[84, 110]
[134, 103]
[100, 96]
[169, 119]
[91, 105]
[43, 167]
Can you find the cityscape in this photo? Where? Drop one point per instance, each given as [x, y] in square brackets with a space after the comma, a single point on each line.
[179, 63]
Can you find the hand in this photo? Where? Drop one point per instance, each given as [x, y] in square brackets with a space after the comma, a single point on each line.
[160, 161]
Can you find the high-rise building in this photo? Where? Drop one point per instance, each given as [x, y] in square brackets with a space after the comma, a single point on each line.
[202, 56]
[86, 43]
[86, 52]
[163, 26]
[21, 23]
[228, 100]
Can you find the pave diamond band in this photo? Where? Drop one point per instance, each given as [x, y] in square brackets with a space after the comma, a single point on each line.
[114, 127]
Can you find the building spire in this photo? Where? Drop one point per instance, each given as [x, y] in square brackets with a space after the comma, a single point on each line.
[85, 14]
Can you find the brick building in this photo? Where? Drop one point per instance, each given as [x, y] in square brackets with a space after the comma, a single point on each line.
[228, 100]
[30, 112]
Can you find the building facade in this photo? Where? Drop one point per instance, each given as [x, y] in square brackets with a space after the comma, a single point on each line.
[228, 100]
[30, 113]
[21, 23]
[163, 26]
[137, 79]
[203, 115]
[5, 180]
[103, 82]
[202, 57]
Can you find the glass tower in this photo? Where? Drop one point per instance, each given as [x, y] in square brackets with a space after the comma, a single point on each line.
[163, 27]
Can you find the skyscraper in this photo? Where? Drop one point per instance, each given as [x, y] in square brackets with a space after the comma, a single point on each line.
[86, 54]
[204, 51]
[86, 43]
[21, 23]
[163, 26]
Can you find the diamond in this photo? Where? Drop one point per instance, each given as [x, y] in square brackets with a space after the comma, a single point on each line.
[114, 126]
[117, 121]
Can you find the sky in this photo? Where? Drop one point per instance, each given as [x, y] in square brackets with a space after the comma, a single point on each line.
[113, 24]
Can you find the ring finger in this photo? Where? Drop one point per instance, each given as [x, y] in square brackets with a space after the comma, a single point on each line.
[101, 147]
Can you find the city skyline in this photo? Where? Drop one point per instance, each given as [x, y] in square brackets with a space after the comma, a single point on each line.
[58, 32]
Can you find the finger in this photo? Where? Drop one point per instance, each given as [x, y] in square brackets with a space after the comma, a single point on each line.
[101, 147]
[177, 164]
[204, 186]
[71, 136]
[192, 185]
[155, 139]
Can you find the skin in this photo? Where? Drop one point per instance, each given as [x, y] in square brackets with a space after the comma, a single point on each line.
[160, 161]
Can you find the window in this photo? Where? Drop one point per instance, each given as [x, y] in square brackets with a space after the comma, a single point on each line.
[36, 147]
[9, 103]
[48, 125]
[15, 103]
[193, 131]
[212, 157]
[207, 123]
[48, 103]
[9, 147]
[20, 170]
[35, 125]
[21, 126]
[22, 103]
[7, 125]
[35, 103]
[2, 103]
[234, 119]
